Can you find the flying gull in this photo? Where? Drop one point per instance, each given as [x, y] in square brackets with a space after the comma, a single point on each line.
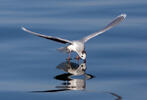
[78, 46]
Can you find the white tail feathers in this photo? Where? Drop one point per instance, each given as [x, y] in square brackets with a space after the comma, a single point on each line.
[63, 49]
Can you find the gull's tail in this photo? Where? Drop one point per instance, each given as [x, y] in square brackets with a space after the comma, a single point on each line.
[63, 50]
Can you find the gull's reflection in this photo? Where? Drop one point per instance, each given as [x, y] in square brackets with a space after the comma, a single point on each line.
[74, 79]
[73, 68]
[73, 83]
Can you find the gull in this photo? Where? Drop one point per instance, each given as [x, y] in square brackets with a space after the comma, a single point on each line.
[78, 46]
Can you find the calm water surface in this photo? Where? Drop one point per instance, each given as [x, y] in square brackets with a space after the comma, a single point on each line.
[115, 59]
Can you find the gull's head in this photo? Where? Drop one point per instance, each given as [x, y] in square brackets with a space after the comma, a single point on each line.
[83, 55]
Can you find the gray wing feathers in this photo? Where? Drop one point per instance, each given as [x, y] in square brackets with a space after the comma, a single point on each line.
[109, 26]
[64, 41]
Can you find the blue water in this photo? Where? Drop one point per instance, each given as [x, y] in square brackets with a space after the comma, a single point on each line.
[116, 59]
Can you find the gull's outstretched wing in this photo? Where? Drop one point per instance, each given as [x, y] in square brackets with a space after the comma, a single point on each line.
[64, 41]
[116, 21]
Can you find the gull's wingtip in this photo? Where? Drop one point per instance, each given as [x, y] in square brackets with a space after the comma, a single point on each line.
[123, 15]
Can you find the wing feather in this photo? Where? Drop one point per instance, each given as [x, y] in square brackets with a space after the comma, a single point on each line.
[116, 21]
[64, 41]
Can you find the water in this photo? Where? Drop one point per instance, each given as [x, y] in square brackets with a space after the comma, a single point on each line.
[116, 59]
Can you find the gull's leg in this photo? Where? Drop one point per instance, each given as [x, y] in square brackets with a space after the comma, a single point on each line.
[68, 56]
[78, 57]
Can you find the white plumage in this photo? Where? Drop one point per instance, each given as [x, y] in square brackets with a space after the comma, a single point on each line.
[78, 46]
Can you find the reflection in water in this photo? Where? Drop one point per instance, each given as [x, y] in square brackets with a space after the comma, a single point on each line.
[69, 81]
[116, 95]
[73, 68]
[72, 80]
[73, 83]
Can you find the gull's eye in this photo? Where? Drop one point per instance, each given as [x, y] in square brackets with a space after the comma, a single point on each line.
[81, 56]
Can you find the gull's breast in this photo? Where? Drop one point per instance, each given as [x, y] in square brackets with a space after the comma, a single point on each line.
[78, 46]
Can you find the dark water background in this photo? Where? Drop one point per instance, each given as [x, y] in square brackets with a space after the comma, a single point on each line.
[117, 58]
